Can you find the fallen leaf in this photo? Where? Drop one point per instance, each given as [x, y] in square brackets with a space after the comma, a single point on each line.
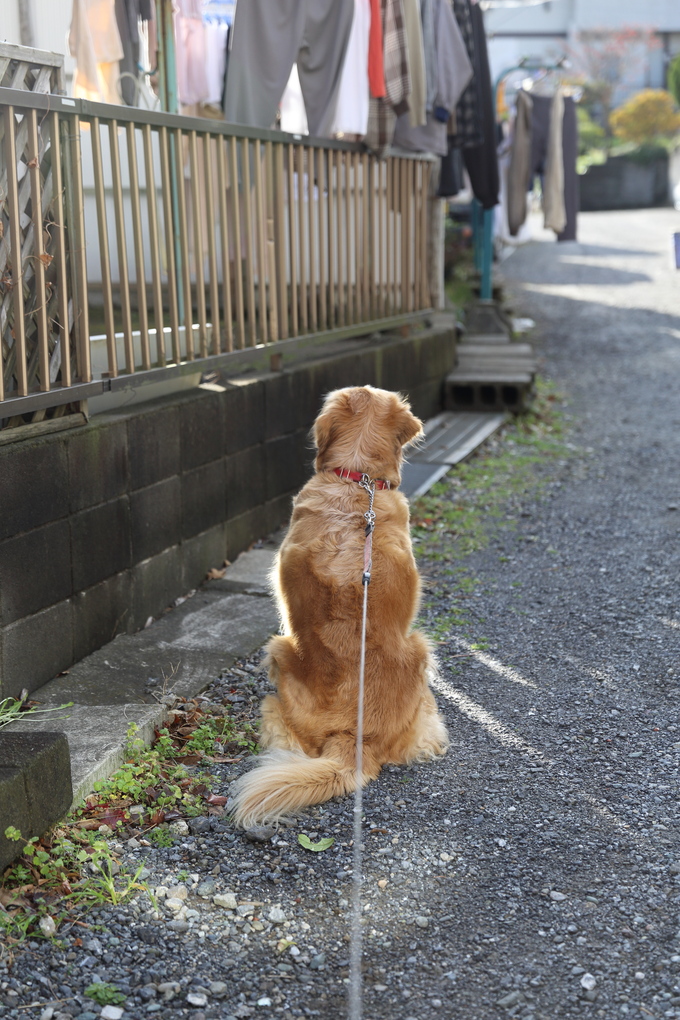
[216, 800]
[214, 574]
[323, 844]
[45, 258]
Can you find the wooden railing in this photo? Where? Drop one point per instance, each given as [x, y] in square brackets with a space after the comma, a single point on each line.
[186, 244]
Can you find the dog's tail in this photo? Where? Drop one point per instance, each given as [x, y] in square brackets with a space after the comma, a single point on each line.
[285, 782]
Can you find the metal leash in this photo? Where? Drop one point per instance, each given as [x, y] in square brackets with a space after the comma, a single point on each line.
[355, 982]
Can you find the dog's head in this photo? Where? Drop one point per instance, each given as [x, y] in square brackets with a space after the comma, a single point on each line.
[364, 429]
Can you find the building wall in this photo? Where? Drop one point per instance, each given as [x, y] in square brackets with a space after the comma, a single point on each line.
[105, 525]
[544, 33]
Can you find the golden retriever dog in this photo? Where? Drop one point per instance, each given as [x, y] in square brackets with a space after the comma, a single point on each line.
[309, 727]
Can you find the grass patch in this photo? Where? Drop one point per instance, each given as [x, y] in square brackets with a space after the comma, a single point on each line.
[460, 513]
[72, 868]
[477, 499]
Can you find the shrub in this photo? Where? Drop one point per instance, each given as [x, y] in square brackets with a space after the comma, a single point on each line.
[674, 78]
[647, 115]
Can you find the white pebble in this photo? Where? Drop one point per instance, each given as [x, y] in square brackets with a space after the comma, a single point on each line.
[557, 896]
[588, 982]
[276, 915]
[47, 926]
[197, 999]
[111, 1013]
[226, 900]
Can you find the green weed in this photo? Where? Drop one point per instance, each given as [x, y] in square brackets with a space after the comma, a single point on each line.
[105, 994]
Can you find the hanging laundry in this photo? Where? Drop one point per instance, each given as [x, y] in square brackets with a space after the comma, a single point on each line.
[191, 52]
[452, 173]
[383, 113]
[216, 36]
[94, 40]
[414, 40]
[519, 169]
[376, 69]
[481, 161]
[553, 185]
[469, 112]
[351, 111]
[128, 15]
[268, 39]
[292, 107]
[429, 51]
[454, 71]
[569, 154]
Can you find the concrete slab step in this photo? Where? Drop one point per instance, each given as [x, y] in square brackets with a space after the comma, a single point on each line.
[180, 654]
[449, 439]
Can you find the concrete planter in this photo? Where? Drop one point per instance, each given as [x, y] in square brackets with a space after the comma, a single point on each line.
[624, 183]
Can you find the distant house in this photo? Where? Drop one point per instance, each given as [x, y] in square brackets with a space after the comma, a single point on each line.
[546, 32]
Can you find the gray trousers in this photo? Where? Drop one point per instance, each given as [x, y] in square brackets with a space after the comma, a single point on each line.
[269, 37]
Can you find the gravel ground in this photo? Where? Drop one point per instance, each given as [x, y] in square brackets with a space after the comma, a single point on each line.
[533, 872]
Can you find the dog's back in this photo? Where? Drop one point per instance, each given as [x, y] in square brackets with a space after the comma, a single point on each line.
[311, 724]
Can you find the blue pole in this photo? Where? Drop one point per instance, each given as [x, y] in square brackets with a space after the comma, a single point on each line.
[487, 255]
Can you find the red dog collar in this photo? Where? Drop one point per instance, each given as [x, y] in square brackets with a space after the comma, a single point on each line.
[360, 476]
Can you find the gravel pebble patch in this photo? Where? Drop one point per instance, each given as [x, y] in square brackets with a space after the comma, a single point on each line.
[533, 872]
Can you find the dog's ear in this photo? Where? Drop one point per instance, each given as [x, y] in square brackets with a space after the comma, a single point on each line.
[358, 399]
[324, 432]
[408, 427]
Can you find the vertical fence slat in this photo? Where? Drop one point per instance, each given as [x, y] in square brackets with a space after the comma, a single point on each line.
[321, 187]
[119, 219]
[138, 244]
[104, 257]
[425, 199]
[415, 202]
[212, 247]
[260, 237]
[270, 241]
[358, 259]
[340, 228]
[304, 317]
[238, 263]
[15, 241]
[381, 190]
[250, 262]
[392, 189]
[154, 243]
[365, 240]
[81, 315]
[60, 251]
[311, 223]
[187, 301]
[38, 251]
[224, 243]
[332, 241]
[166, 143]
[292, 228]
[280, 241]
[349, 246]
[198, 245]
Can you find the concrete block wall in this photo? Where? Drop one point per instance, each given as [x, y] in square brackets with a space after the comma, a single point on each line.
[104, 526]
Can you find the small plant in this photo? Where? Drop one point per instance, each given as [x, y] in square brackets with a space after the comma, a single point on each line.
[12, 709]
[70, 870]
[161, 836]
[647, 116]
[104, 994]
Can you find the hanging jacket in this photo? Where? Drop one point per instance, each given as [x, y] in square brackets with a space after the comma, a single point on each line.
[454, 71]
